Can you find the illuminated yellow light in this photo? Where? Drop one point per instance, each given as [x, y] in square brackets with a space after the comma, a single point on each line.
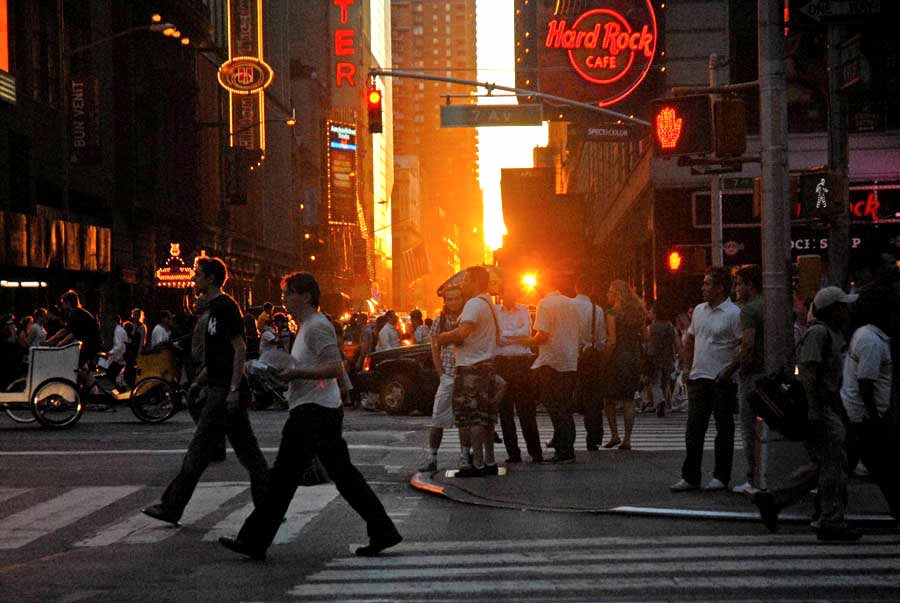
[312, 257]
[156, 18]
[529, 281]
[302, 206]
[306, 236]
[176, 34]
[185, 41]
[168, 31]
[291, 122]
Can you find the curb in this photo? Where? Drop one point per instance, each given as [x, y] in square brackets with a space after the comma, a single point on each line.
[422, 481]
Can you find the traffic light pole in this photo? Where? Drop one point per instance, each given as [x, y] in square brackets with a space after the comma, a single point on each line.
[715, 193]
[838, 165]
[490, 87]
[776, 264]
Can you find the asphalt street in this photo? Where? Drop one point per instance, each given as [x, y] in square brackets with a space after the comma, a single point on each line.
[71, 530]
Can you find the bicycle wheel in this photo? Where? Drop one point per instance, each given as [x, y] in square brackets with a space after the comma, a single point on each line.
[154, 400]
[56, 403]
[20, 413]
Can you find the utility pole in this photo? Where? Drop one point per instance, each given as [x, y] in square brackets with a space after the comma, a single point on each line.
[715, 193]
[838, 165]
[776, 225]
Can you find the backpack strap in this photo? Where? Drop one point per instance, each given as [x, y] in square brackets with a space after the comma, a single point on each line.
[494, 316]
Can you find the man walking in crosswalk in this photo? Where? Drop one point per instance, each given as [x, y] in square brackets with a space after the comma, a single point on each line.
[313, 430]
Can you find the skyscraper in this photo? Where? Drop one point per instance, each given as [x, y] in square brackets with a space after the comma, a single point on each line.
[438, 38]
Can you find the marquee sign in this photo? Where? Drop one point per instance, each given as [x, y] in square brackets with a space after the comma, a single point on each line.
[598, 54]
[245, 75]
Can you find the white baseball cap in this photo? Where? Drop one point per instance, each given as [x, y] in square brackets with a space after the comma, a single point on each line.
[833, 295]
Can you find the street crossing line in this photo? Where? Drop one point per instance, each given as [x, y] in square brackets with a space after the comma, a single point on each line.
[44, 518]
[10, 493]
[140, 529]
[705, 566]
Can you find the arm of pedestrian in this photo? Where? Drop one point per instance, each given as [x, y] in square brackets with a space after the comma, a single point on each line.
[748, 342]
[867, 394]
[610, 332]
[539, 338]
[237, 367]
[457, 335]
[687, 352]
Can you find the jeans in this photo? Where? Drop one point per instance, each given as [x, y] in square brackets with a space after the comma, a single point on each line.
[827, 472]
[748, 426]
[590, 401]
[557, 394]
[312, 430]
[217, 419]
[705, 399]
[518, 399]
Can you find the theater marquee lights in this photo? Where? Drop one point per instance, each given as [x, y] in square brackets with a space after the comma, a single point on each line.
[600, 52]
[246, 75]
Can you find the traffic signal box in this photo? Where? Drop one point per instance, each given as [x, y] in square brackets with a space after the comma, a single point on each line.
[698, 125]
[373, 100]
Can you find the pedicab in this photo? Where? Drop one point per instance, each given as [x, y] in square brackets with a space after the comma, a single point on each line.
[48, 393]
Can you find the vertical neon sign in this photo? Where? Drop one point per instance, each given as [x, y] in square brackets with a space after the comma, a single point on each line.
[344, 46]
[247, 112]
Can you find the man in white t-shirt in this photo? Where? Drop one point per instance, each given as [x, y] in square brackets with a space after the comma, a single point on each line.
[162, 332]
[557, 328]
[389, 337]
[313, 429]
[475, 341]
[866, 394]
[711, 351]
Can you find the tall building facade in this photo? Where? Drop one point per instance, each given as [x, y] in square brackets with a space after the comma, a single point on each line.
[437, 38]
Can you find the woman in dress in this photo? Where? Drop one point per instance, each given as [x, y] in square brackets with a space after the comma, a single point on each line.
[624, 327]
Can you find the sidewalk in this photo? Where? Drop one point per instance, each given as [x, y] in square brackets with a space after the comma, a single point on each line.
[637, 482]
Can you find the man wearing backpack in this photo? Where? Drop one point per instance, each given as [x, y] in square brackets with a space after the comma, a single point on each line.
[820, 364]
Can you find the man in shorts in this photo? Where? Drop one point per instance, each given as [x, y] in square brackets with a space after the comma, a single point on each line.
[474, 403]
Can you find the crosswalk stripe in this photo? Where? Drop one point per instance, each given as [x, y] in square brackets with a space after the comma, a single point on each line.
[10, 493]
[676, 567]
[304, 507]
[598, 589]
[140, 529]
[44, 518]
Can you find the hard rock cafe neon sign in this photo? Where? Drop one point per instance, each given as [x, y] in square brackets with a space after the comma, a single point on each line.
[612, 49]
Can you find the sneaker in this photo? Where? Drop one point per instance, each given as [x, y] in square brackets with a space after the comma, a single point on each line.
[376, 545]
[470, 471]
[714, 485]
[745, 488]
[490, 470]
[768, 510]
[683, 485]
[159, 512]
[561, 459]
[239, 546]
[429, 466]
[837, 534]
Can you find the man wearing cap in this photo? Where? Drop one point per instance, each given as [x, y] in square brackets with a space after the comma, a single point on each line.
[820, 362]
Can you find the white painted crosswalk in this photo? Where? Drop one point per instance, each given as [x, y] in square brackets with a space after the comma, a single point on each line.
[651, 433]
[88, 507]
[704, 567]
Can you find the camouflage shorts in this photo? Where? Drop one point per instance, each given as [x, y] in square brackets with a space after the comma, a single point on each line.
[473, 395]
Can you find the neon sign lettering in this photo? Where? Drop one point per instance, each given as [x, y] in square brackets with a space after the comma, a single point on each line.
[604, 47]
[344, 46]
[869, 207]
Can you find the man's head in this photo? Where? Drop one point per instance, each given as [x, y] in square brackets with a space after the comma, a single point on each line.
[69, 300]
[300, 292]
[391, 317]
[511, 291]
[40, 315]
[832, 306]
[280, 321]
[137, 315]
[165, 318]
[210, 274]
[748, 282]
[267, 307]
[476, 281]
[415, 317]
[716, 285]
[584, 285]
[453, 299]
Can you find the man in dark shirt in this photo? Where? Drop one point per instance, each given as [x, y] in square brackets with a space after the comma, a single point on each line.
[80, 325]
[225, 352]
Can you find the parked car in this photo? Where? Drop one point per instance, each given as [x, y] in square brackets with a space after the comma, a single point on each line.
[404, 379]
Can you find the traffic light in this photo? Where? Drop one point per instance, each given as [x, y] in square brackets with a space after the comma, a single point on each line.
[373, 100]
[674, 261]
[730, 127]
[681, 125]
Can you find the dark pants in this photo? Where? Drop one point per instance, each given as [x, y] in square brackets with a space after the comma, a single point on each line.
[518, 399]
[706, 399]
[217, 419]
[312, 430]
[827, 472]
[590, 402]
[877, 448]
[557, 394]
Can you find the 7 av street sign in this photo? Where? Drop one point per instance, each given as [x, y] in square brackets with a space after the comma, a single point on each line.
[840, 10]
[473, 116]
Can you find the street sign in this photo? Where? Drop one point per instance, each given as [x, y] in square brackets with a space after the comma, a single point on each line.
[840, 10]
[474, 116]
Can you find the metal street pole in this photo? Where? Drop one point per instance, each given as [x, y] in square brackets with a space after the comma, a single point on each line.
[715, 193]
[838, 165]
[776, 224]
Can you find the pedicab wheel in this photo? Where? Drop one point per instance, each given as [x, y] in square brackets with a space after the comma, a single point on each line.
[20, 413]
[153, 400]
[56, 403]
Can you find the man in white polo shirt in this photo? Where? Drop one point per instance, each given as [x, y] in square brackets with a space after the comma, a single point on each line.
[557, 326]
[712, 345]
[866, 394]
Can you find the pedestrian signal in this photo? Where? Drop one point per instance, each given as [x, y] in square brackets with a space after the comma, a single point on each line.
[681, 125]
[373, 100]
[675, 261]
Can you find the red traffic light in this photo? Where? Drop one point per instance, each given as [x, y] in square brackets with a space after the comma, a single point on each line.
[682, 125]
[374, 98]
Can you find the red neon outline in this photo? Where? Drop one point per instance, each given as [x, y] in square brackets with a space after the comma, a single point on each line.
[624, 71]
[643, 75]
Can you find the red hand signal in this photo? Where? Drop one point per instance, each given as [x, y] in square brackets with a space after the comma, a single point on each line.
[668, 128]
